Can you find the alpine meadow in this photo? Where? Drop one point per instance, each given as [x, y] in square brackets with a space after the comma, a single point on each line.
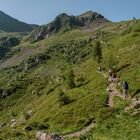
[74, 78]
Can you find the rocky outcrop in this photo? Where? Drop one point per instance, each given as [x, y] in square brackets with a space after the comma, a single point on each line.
[63, 21]
[35, 60]
[9, 41]
[28, 114]
[2, 125]
[5, 45]
[13, 123]
[44, 136]
[16, 122]
[4, 93]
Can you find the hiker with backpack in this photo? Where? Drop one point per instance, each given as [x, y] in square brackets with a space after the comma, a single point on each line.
[125, 89]
[112, 75]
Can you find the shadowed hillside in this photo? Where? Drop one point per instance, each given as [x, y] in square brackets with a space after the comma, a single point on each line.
[9, 24]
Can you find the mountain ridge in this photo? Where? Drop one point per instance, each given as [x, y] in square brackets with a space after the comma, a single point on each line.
[64, 22]
[10, 24]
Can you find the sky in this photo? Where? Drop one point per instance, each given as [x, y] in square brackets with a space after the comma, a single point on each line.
[44, 11]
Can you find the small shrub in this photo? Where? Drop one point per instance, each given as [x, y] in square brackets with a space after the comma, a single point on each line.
[69, 79]
[127, 31]
[112, 61]
[51, 89]
[39, 126]
[134, 34]
[64, 99]
[80, 81]
[14, 114]
[97, 52]
[18, 134]
[136, 28]
[27, 116]
[104, 114]
[28, 128]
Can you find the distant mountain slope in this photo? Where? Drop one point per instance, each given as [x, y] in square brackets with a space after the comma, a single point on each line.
[10, 24]
[88, 21]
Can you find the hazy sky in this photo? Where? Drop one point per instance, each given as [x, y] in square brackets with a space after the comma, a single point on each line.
[43, 11]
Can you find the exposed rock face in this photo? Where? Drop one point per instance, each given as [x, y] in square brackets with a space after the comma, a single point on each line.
[62, 21]
[13, 123]
[45, 136]
[4, 94]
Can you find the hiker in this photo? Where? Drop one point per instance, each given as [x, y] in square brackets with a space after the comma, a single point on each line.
[125, 89]
[111, 79]
[99, 68]
[112, 73]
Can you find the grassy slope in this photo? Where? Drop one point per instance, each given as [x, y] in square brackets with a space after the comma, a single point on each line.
[120, 125]
[38, 94]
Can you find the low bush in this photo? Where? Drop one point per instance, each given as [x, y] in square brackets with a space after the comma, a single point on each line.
[64, 99]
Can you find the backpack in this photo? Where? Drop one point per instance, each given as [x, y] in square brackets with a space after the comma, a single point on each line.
[125, 85]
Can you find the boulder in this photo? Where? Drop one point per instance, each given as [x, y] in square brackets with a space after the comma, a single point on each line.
[22, 121]
[1, 91]
[13, 123]
[28, 114]
[5, 94]
[2, 124]
[44, 136]
[28, 128]
[41, 135]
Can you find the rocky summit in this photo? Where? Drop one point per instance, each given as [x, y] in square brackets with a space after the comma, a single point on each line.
[63, 22]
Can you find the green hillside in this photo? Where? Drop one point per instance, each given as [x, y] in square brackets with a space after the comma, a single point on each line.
[53, 85]
[9, 24]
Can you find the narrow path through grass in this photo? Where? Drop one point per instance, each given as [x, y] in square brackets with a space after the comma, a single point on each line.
[112, 91]
[80, 132]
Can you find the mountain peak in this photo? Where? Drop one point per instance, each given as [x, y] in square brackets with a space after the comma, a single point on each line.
[90, 15]
[88, 20]
[63, 15]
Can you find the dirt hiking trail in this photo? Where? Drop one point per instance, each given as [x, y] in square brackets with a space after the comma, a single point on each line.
[112, 92]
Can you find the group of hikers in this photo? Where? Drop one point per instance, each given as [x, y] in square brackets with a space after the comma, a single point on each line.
[112, 78]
